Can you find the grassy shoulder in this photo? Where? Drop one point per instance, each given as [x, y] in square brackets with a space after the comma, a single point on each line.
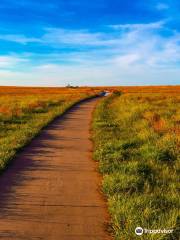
[23, 115]
[137, 140]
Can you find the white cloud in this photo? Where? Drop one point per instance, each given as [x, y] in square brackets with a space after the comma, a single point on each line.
[143, 26]
[144, 42]
[126, 60]
[18, 38]
[130, 54]
[55, 37]
[162, 6]
[82, 37]
[110, 74]
[11, 61]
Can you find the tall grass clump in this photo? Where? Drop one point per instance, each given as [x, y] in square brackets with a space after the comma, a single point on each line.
[137, 143]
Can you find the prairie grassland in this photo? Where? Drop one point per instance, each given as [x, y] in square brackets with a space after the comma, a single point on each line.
[137, 143]
[147, 89]
[25, 111]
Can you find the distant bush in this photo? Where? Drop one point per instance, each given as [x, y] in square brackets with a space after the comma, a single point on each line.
[117, 93]
[71, 86]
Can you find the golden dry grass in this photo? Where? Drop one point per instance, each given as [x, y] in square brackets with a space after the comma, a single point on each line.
[25, 111]
[137, 144]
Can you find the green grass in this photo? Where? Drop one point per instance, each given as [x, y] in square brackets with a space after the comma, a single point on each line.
[137, 140]
[22, 116]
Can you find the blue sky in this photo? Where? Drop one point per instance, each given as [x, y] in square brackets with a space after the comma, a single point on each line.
[102, 42]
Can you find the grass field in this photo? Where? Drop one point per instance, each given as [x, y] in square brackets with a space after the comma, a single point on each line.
[136, 134]
[25, 111]
[137, 143]
[146, 89]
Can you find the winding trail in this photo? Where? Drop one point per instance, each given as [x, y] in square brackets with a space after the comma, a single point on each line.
[51, 189]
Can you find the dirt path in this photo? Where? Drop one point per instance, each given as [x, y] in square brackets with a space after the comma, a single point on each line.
[51, 190]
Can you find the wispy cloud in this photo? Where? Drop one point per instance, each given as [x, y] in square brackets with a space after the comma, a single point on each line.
[126, 53]
[162, 6]
[140, 26]
[8, 61]
[76, 37]
[59, 37]
[22, 39]
[57, 75]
